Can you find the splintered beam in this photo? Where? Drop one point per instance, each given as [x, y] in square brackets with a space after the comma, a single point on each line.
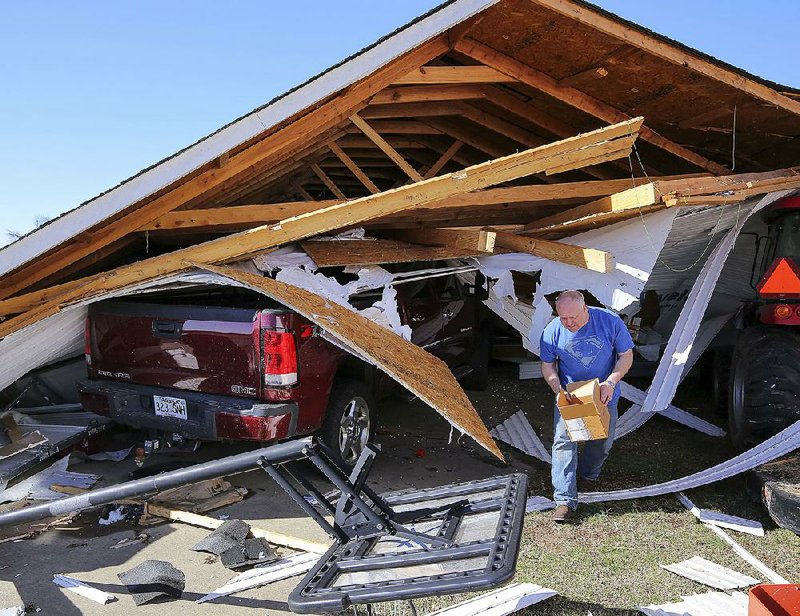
[614, 141]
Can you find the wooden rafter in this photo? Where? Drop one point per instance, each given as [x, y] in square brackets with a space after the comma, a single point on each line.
[275, 146]
[327, 181]
[387, 149]
[586, 258]
[376, 252]
[576, 98]
[443, 159]
[297, 187]
[242, 245]
[426, 94]
[670, 52]
[453, 74]
[399, 127]
[478, 240]
[354, 168]
[405, 110]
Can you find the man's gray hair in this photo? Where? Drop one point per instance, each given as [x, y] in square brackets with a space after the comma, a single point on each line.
[574, 296]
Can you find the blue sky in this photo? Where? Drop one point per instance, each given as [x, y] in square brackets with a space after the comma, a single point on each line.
[92, 91]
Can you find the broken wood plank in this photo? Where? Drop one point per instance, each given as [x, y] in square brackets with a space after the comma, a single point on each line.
[580, 100]
[478, 240]
[452, 74]
[277, 146]
[327, 181]
[376, 252]
[387, 149]
[640, 196]
[426, 376]
[354, 168]
[669, 51]
[11, 427]
[195, 519]
[587, 258]
[241, 245]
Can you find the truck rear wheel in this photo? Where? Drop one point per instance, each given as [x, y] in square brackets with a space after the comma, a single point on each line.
[765, 384]
[348, 421]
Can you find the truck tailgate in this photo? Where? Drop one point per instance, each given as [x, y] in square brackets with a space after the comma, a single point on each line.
[204, 349]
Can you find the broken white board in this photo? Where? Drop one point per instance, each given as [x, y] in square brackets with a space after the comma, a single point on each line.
[672, 364]
[706, 604]
[710, 573]
[779, 445]
[297, 564]
[771, 575]
[83, 589]
[518, 432]
[722, 520]
[538, 503]
[506, 600]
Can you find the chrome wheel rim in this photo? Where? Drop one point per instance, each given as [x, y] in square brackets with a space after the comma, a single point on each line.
[354, 430]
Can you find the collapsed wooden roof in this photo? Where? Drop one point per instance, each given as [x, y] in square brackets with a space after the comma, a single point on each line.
[472, 80]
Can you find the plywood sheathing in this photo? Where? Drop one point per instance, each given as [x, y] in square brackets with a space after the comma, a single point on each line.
[424, 375]
[611, 142]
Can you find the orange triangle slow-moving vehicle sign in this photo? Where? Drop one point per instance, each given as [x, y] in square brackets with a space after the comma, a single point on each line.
[781, 280]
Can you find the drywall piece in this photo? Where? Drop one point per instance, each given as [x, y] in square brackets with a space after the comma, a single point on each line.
[637, 396]
[743, 525]
[518, 432]
[506, 600]
[679, 346]
[539, 503]
[710, 573]
[297, 564]
[83, 589]
[771, 575]
[782, 443]
[423, 374]
[707, 604]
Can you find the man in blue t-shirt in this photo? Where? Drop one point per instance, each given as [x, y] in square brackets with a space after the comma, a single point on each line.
[583, 343]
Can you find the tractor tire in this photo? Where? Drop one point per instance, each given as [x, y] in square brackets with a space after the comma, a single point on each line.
[764, 394]
[721, 380]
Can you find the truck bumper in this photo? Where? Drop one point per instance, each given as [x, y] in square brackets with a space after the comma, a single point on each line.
[208, 417]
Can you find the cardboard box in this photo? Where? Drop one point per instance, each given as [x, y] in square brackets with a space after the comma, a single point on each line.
[587, 420]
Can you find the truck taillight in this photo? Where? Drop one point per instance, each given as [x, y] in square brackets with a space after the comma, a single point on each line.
[783, 311]
[280, 359]
[87, 342]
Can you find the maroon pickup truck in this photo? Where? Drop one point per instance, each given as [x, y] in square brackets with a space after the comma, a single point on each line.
[225, 363]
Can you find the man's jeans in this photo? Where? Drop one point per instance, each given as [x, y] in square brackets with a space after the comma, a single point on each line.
[567, 466]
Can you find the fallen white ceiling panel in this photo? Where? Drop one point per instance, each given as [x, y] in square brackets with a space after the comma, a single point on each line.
[507, 600]
[518, 432]
[672, 364]
[782, 443]
[715, 518]
[710, 573]
[707, 604]
[290, 566]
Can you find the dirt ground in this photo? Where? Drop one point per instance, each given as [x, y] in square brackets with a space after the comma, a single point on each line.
[606, 564]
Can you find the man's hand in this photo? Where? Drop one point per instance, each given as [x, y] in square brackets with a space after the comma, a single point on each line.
[606, 391]
[571, 399]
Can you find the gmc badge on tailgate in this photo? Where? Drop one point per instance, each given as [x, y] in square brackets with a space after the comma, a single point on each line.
[241, 389]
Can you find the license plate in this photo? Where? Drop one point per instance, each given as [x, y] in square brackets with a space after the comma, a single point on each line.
[166, 406]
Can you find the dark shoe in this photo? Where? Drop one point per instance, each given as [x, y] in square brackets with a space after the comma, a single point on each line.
[562, 514]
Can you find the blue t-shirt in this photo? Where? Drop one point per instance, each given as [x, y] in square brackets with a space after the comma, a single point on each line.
[590, 352]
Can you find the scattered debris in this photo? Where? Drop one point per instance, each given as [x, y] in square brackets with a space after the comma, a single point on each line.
[83, 589]
[113, 456]
[296, 564]
[34, 439]
[114, 516]
[253, 551]
[707, 604]
[37, 487]
[230, 534]
[18, 610]
[769, 573]
[506, 600]
[722, 520]
[196, 498]
[212, 523]
[518, 432]
[139, 538]
[711, 574]
[153, 578]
